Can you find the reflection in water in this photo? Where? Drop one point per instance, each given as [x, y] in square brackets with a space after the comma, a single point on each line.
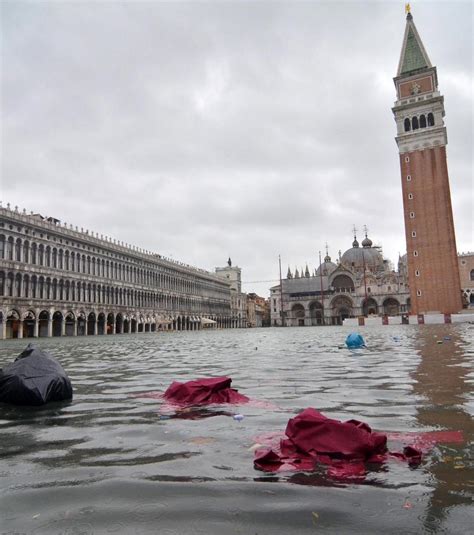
[444, 380]
[194, 413]
[120, 463]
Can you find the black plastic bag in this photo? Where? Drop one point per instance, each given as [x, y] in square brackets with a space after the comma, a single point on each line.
[34, 379]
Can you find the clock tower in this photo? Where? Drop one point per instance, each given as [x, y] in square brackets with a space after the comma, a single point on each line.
[433, 271]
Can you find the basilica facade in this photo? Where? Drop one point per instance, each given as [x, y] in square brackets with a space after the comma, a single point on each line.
[58, 280]
[360, 283]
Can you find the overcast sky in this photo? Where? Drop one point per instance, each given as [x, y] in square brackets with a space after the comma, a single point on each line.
[200, 130]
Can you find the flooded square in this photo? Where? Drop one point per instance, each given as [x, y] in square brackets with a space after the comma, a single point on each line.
[111, 462]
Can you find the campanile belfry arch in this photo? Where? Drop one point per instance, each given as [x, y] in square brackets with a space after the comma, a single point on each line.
[433, 271]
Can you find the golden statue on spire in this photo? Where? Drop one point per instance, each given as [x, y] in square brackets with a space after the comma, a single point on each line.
[407, 8]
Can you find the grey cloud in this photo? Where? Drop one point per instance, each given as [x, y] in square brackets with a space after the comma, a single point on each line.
[207, 129]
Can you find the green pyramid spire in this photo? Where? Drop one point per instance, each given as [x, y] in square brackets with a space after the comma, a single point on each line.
[413, 56]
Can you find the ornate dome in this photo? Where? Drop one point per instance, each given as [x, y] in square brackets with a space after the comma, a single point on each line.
[327, 267]
[356, 257]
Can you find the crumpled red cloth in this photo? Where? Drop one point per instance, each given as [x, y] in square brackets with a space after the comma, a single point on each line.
[344, 446]
[204, 391]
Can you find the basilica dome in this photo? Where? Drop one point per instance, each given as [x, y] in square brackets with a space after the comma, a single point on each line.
[327, 267]
[356, 257]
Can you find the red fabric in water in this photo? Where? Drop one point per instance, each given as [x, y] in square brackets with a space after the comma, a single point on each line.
[314, 434]
[204, 391]
[424, 441]
[343, 446]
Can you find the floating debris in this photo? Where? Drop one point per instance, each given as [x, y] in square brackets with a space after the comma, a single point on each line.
[355, 341]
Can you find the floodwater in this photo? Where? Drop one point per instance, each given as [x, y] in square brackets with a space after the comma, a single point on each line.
[108, 462]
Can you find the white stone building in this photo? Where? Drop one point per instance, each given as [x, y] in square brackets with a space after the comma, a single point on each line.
[466, 275]
[361, 283]
[56, 280]
[238, 299]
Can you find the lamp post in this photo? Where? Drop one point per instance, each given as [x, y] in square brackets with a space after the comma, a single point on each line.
[281, 294]
[322, 290]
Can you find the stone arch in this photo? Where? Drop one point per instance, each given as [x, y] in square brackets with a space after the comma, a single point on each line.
[13, 323]
[110, 323]
[126, 324]
[18, 248]
[391, 307]
[26, 251]
[57, 323]
[431, 120]
[43, 321]
[422, 121]
[81, 323]
[41, 287]
[29, 322]
[91, 323]
[9, 284]
[316, 313]
[370, 307]
[298, 314]
[10, 246]
[342, 282]
[414, 123]
[41, 254]
[101, 323]
[54, 289]
[147, 325]
[17, 285]
[341, 308]
[70, 321]
[119, 323]
[34, 253]
[26, 285]
[34, 286]
[47, 287]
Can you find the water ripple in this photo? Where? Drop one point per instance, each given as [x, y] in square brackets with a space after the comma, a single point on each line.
[109, 462]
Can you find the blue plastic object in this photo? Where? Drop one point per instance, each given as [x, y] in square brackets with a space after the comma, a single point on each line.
[354, 341]
[238, 417]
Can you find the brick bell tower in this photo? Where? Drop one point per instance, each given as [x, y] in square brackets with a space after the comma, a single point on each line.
[433, 271]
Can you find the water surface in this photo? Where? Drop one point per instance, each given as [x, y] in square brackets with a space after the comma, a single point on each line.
[109, 462]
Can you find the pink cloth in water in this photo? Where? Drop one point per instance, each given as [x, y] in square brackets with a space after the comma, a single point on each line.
[343, 446]
[204, 391]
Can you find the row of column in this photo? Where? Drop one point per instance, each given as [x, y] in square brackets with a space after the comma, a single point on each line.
[89, 328]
